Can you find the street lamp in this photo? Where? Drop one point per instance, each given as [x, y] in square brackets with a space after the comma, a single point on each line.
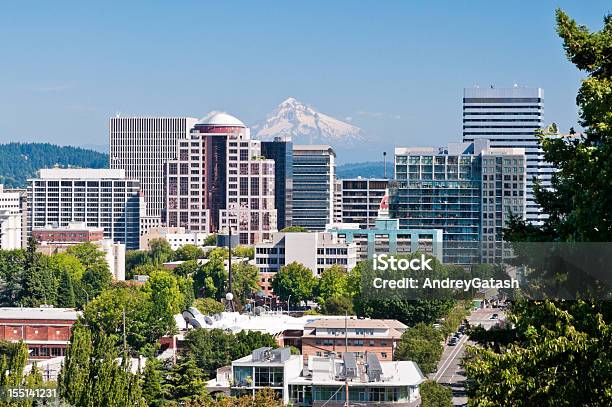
[288, 299]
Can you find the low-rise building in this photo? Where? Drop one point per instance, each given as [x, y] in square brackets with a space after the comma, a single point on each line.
[387, 237]
[58, 239]
[324, 337]
[176, 237]
[323, 381]
[317, 251]
[46, 331]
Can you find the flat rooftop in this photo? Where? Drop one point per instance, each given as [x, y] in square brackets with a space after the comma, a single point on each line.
[68, 314]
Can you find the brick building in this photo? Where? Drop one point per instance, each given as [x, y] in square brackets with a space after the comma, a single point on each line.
[326, 336]
[46, 331]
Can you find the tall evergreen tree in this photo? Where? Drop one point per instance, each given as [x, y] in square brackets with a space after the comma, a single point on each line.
[65, 292]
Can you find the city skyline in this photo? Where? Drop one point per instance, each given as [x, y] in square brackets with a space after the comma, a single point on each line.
[381, 69]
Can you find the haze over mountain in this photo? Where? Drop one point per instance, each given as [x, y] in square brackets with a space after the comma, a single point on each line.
[306, 125]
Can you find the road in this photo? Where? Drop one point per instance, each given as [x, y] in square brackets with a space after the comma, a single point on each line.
[449, 370]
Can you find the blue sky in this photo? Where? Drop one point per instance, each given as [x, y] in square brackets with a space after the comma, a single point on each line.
[396, 67]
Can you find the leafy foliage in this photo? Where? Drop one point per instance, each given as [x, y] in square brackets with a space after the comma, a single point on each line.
[296, 281]
[558, 353]
[215, 348]
[435, 395]
[421, 344]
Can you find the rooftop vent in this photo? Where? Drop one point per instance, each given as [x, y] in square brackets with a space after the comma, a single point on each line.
[374, 368]
[350, 365]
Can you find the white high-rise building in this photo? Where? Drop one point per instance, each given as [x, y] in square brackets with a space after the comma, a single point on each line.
[141, 146]
[11, 219]
[510, 117]
[98, 197]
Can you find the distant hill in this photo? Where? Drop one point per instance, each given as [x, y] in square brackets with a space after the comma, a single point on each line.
[20, 161]
[364, 170]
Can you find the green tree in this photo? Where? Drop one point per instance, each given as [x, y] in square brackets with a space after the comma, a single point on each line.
[557, 353]
[211, 240]
[333, 282]
[188, 268]
[435, 395]
[294, 229]
[210, 279]
[67, 262]
[188, 252]
[215, 348]
[13, 359]
[89, 256]
[218, 253]
[186, 381]
[74, 376]
[338, 305]
[91, 376]
[12, 271]
[165, 299]
[244, 251]
[104, 314]
[159, 251]
[65, 291]
[421, 344]
[40, 283]
[95, 280]
[296, 281]
[152, 383]
[208, 306]
[245, 277]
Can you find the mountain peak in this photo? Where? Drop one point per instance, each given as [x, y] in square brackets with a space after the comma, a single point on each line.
[305, 125]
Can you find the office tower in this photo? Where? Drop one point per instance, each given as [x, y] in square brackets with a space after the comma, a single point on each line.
[510, 117]
[361, 200]
[11, 219]
[314, 169]
[103, 198]
[442, 188]
[220, 179]
[281, 151]
[141, 146]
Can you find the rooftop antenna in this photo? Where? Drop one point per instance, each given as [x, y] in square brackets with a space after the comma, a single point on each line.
[385, 164]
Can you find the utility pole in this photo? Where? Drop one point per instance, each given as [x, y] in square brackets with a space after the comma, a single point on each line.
[229, 297]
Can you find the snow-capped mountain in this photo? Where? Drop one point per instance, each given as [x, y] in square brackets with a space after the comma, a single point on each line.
[305, 125]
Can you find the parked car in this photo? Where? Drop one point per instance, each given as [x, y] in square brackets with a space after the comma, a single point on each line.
[494, 316]
[453, 341]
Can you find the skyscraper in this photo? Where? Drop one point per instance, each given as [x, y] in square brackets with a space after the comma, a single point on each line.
[220, 179]
[281, 151]
[98, 197]
[141, 146]
[449, 188]
[314, 169]
[510, 117]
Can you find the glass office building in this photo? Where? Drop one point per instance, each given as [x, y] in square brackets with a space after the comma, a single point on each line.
[313, 186]
[442, 188]
[281, 151]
